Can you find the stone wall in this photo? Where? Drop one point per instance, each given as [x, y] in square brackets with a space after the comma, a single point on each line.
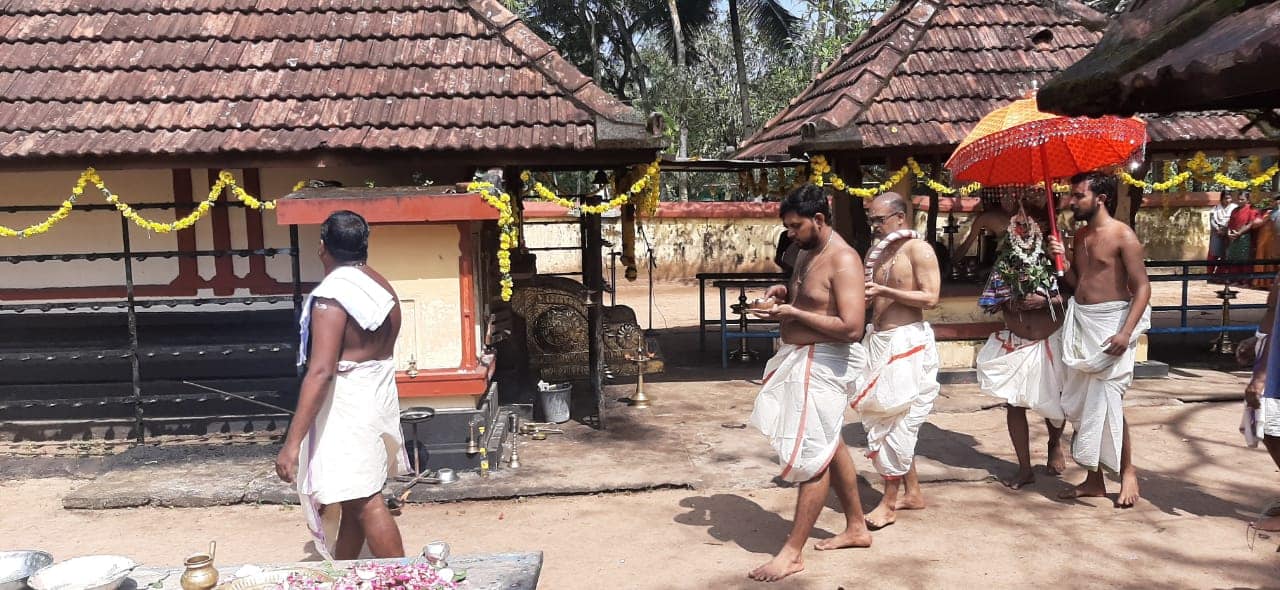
[690, 238]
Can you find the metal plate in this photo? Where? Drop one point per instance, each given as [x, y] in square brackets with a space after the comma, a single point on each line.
[92, 572]
[17, 566]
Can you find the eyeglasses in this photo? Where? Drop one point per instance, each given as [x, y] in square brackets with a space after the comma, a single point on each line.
[878, 219]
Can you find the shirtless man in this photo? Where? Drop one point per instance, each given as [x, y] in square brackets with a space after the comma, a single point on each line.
[345, 437]
[808, 382]
[993, 220]
[1105, 318]
[1022, 364]
[902, 358]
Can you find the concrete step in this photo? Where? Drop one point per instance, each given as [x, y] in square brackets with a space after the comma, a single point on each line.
[1141, 370]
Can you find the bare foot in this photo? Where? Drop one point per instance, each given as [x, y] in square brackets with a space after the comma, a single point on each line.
[1128, 491]
[910, 502]
[1057, 461]
[848, 539]
[1085, 490]
[1023, 477]
[1271, 524]
[881, 517]
[777, 568]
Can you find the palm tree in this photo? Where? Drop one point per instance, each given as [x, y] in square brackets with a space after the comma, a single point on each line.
[776, 27]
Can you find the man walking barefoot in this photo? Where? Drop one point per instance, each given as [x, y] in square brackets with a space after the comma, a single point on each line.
[807, 383]
[902, 359]
[345, 438]
[1105, 318]
[1022, 364]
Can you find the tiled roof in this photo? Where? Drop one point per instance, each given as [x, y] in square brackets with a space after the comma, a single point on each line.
[107, 78]
[927, 70]
[1177, 55]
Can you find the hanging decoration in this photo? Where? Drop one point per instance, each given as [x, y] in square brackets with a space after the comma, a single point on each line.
[620, 198]
[1201, 169]
[508, 234]
[225, 183]
[820, 174]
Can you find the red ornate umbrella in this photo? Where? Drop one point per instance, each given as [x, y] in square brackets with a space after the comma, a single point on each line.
[1019, 144]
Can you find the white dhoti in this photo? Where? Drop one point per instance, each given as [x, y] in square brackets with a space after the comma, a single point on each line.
[1268, 418]
[898, 394]
[1093, 391]
[355, 445]
[1024, 373]
[801, 406]
[356, 442]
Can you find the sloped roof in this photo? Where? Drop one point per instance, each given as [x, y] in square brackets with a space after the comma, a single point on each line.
[1176, 55]
[113, 78]
[927, 70]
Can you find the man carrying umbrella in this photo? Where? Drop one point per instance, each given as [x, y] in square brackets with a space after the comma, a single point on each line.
[1104, 320]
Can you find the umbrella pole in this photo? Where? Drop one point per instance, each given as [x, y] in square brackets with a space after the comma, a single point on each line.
[1053, 209]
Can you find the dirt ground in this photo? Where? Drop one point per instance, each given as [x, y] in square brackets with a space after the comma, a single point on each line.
[1200, 488]
[676, 303]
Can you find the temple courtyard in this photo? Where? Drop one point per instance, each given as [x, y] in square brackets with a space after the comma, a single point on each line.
[682, 495]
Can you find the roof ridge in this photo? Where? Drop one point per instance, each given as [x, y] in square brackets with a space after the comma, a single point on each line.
[1088, 16]
[877, 27]
[140, 11]
[543, 57]
[835, 118]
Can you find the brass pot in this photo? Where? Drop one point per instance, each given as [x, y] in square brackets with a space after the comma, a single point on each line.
[200, 573]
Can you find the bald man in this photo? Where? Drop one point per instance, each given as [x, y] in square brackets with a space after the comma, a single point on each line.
[901, 383]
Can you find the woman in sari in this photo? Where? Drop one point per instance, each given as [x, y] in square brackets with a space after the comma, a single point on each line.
[1268, 247]
[1241, 230]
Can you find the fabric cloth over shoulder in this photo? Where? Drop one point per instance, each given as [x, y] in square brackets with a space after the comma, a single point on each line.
[356, 442]
[1024, 373]
[1093, 391]
[897, 393]
[364, 300]
[801, 406]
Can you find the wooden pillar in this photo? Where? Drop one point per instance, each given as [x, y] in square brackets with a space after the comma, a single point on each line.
[850, 212]
[1129, 198]
[593, 280]
[931, 224]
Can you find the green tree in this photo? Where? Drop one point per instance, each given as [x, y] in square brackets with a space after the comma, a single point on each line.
[776, 28]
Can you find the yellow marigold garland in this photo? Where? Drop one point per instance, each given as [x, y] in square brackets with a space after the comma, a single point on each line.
[620, 198]
[820, 174]
[89, 175]
[508, 234]
[1198, 167]
[225, 182]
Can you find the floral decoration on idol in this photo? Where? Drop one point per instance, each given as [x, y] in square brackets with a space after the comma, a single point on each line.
[1022, 267]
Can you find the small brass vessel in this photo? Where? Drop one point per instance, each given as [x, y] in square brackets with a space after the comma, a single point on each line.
[200, 573]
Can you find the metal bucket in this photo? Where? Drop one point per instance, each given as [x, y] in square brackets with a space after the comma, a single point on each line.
[554, 400]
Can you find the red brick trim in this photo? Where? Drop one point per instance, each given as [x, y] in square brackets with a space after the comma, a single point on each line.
[443, 382]
[965, 331]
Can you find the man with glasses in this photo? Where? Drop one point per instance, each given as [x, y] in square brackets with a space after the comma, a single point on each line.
[901, 383]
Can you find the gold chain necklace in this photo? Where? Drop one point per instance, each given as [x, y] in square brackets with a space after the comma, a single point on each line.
[808, 261]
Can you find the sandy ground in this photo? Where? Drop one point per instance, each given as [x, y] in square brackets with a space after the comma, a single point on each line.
[676, 303]
[1200, 486]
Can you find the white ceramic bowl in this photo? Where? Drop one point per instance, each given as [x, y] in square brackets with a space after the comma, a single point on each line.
[92, 572]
